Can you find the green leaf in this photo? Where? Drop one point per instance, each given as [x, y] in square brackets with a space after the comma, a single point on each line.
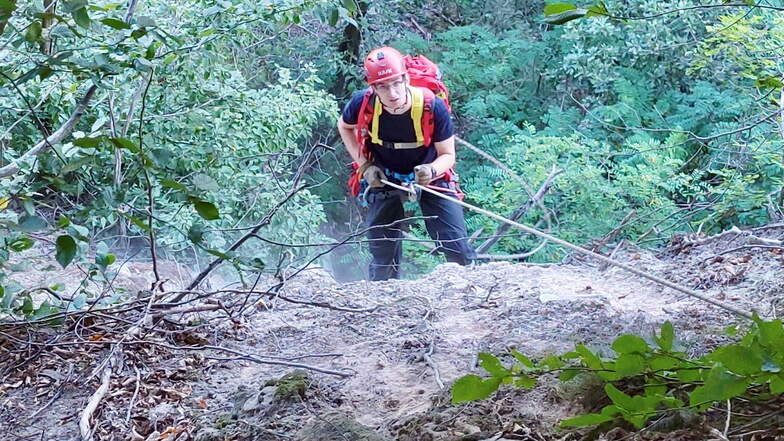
[768, 83]
[220, 254]
[66, 250]
[667, 337]
[565, 17]
[115, 23]
[145, 21]
[720, 385]
[627, 344]
[139, 223]
[662, 363]
[333, 17]
[473, 387]
[142, 65]
[76, 164]
[44, 310]
[79, 301]
[551, 362]
[174, 185]
[568, 374]
[206, 210]
[738, 359]
[45, 71]
[619, 398]
[31, 224]
[525, 361]
[350, 5]
[63, 222]
[599, 9]
[771, 334]
[80, 232]
[629, 365]
[557, 8]
[8, 298]
[492, 365]
[586, 420]
[777, 384]
[104, 260]
[7, 7]
[196, 233]
[689, 375]
[27, 305]
[87, 142]
[204, 182]
[81, 17]
[125, 143]
[590, 359]
[525, 382]
[731, 330]
[21, 244]
[33, 33]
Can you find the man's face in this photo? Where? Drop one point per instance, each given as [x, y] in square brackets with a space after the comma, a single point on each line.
[392, 92]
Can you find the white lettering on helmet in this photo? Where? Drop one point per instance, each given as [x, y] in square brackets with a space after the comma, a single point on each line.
[385, 71]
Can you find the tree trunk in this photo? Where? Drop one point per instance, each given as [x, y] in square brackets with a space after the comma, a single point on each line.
[349, 49]
[47, 42]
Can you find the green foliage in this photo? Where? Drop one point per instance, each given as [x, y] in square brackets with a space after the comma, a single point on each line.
[751, 368]
[219, 139]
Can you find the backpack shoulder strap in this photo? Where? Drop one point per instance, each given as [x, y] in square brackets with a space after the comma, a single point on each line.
[427, 120]
[364, 117]
[417, 110]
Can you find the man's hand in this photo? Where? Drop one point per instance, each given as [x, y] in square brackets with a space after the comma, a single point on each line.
[372, 174]
[424, 173]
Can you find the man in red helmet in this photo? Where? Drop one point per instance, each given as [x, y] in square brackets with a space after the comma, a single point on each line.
[393, 150]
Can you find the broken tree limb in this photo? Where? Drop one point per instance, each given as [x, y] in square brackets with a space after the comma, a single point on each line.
[748, 235]
[520, 212]
[85, 429]
[54, 138]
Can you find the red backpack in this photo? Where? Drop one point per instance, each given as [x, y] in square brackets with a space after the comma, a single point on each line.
[425, 76]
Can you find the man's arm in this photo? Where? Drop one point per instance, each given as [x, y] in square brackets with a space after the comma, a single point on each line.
[446, 155]
[347, 135]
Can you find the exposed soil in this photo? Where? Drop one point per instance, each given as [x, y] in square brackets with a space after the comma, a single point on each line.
[392, 392]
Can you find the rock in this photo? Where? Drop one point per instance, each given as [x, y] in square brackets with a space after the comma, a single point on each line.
[260, 400]
[337, 426]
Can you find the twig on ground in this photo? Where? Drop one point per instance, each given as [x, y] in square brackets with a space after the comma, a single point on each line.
[133, 397]
[432, 364]
[85, 429]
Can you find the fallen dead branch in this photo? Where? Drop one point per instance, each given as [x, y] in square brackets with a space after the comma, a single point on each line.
[84, 421]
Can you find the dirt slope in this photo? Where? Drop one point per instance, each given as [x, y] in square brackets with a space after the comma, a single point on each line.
[418, 334]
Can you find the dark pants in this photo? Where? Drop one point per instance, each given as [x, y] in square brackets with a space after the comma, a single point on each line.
[447, 228]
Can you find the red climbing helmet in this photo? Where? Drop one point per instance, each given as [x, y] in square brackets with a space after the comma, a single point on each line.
[383, 63]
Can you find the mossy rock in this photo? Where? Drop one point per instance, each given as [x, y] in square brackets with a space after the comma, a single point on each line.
[338, 426]
[291, 386]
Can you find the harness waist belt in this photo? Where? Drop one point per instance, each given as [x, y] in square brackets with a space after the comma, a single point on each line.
[400, 145]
